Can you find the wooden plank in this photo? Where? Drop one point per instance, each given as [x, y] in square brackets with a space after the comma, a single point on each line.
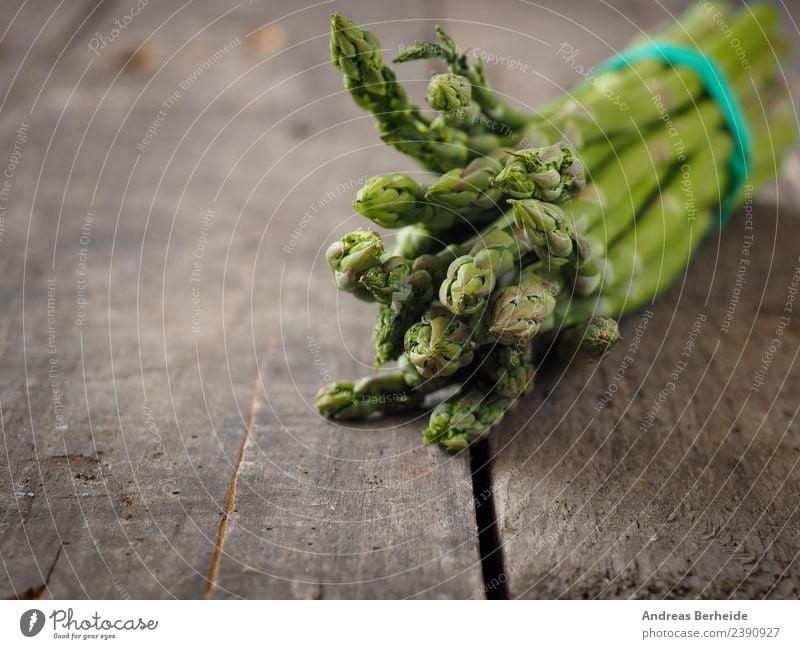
[131, 498]
[596, 501]
[128, 490]
[131, 487]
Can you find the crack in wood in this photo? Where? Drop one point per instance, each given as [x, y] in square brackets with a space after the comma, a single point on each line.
[213, 569]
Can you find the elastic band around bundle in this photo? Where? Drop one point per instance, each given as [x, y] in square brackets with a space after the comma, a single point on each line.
[720, 91]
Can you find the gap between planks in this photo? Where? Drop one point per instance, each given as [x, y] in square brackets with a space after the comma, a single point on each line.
[489, 548]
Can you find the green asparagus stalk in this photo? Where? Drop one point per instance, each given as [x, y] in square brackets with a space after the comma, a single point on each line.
[397, 200]
[360, 266]
[388, 333]
[439, 344]
[464, 419]
[518, 310]
[400, 280]
[356, 52]
[589, 342]
[751, 30]
[472, 277]
[415, 240]
[470, 414]
[352, 400]
[352, 255]
[510, 369]
[460, 68]
[549, 173]
[395, 391]
[448, 93]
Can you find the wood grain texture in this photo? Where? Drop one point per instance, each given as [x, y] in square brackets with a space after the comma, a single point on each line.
[34, 36]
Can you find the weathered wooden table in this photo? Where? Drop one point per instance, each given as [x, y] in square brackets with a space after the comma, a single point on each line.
[172, 175]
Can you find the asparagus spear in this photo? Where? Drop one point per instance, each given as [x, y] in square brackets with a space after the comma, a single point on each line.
[472, 277]
[395, 391]
[415, 240]
[356, 52]
[352, 255]
[473, 194]
[550, 173]
[399, 280]
[361, 266]
[589, 341]
[510, 369]
[397, 200]
[470, 414]
[389, 331]
[438, 345]
[354, 400]
[464, 419]
[498, 111]
[448, 93]
[518, 310]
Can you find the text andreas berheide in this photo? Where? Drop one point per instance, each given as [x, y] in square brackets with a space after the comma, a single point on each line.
[713, 616]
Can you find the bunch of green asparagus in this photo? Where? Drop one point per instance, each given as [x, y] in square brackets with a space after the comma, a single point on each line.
[540, 230]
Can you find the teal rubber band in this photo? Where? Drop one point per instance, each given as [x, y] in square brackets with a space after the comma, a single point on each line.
[720, 91]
